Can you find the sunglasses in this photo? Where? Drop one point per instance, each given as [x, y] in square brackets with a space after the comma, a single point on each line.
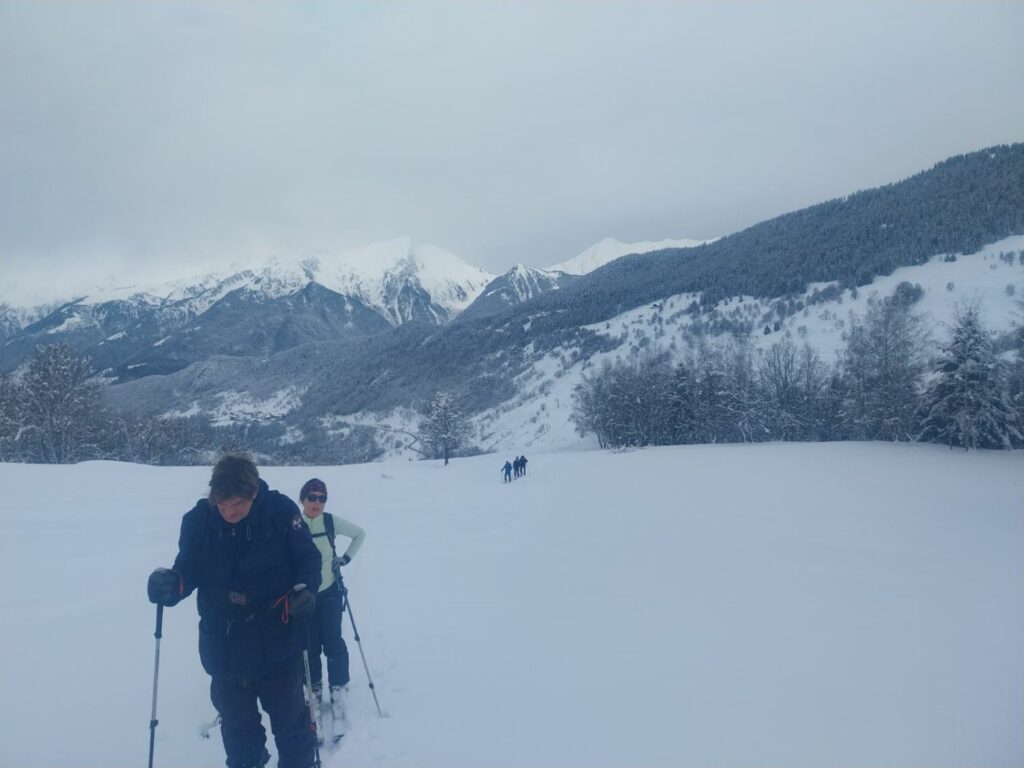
[317, 498]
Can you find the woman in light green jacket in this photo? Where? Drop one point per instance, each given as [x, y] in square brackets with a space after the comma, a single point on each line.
[325, 625]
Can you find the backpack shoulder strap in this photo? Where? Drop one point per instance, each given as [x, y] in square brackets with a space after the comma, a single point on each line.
[328, 531]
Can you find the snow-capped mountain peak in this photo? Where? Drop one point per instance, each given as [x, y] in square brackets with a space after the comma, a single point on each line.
[379, 273]
[519, 284]
[610, 249]
[398, 278]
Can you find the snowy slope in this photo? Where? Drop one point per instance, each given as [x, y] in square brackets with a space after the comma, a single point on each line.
[845, 604]
[538, 417]
[13, 319]
[610, 249]
[519, 284]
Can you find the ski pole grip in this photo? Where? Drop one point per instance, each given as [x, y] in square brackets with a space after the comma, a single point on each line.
[159, 621]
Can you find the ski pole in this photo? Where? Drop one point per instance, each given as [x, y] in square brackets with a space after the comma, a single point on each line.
[156, 672]
[312, 704]
[355, 633]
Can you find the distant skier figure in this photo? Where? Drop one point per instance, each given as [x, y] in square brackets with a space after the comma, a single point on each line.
[325, 629]
[507, 469]
[522, 466]
[515, 467]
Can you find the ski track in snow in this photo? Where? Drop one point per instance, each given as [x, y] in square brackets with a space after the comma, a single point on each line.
[783, 604]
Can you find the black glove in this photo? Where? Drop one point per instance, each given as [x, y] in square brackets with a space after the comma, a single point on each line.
[164, 587]
[301, 603]
[338, 562]
[297, 603]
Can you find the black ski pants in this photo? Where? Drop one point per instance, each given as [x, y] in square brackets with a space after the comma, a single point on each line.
[325, 636]
[280, 693]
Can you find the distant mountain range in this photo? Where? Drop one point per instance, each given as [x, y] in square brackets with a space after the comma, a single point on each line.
[138, 331]
[322, 359]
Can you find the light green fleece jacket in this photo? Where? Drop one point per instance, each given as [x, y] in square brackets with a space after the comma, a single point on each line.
[342, 527]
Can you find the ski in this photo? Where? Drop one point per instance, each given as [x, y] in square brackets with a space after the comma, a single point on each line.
[339, 714]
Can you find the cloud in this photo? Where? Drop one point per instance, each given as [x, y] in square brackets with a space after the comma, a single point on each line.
[141, 135]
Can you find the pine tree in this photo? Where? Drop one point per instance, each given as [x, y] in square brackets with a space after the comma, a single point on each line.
[444, 427]
[712, 418]
[683, 405]
[968, 404]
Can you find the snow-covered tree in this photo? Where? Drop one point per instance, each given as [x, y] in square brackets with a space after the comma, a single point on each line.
[883, 366]
[62, 416]
[10, 418]
[444, 426]
[711, 412]
[794, 385]
[683, 404]
[590, 411]
[968, 404]
[641, 404]
[154, 440]
[1015, 374]
[743, 414]
[628, 403]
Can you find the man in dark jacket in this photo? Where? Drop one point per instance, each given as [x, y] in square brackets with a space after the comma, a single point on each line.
[249, 555]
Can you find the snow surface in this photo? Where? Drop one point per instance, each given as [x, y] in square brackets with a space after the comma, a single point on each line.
[610, 249]
[769, 605]
[72, 322]
[240, 408]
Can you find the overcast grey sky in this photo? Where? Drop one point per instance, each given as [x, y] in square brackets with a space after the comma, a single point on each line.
[142, 135]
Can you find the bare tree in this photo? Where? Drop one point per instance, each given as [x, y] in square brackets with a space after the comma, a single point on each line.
[883, 367]
[62, 414]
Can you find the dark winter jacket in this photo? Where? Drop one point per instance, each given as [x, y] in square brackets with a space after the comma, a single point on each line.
[239, 571]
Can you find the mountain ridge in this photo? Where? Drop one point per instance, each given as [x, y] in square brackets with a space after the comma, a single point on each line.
[536, 337]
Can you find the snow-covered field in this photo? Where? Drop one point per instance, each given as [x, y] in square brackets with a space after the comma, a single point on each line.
[768, 605]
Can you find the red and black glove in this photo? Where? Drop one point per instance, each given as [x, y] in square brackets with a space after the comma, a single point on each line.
[297, 603]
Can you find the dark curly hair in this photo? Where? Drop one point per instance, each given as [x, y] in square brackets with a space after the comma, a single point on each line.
[234, 474]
